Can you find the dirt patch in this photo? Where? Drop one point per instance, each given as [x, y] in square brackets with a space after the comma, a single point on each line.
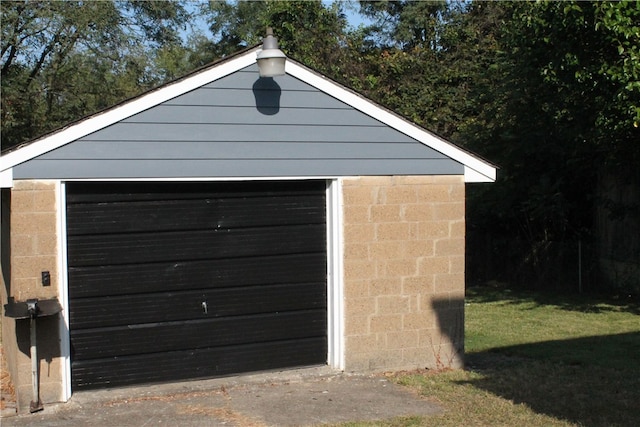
[7, 392]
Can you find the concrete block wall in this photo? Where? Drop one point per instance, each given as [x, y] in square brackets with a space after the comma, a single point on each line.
[33, 248]
[404, 272]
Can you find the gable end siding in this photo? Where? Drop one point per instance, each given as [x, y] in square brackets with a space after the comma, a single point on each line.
[240, 126]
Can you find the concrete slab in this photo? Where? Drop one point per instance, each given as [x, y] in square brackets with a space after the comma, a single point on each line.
[290, 398]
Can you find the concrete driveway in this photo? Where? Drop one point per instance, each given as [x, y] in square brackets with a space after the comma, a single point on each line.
[301, 397]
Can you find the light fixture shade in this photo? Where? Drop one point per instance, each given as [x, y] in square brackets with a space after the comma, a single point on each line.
[271, 66]
[270, 59]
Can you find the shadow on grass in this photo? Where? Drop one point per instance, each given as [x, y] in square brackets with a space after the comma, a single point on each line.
[593, 381]
[587, 303]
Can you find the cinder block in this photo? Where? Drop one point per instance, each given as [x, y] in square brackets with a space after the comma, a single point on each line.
[450, 282]
[449, 211]
[399, 194]
[385, 213]
[419, 248]
[397, 267]
[402, 340]
[394, 231]
[23, 244]
[432, 339]
[449, 247]
[381, 250]
[360, 344]
[23, 185]
[357, 195]
[356, 288]
[418, 212]
[359, 269]
[457, 229]
[458, 192]
[456, 264]
[419, 285]
[418, 321]
[44, 201]
[434, 193]
[385, 286]
[355, 362]
[356, 325]
[355, 233]
[356, 251]
[46, 244]
[419, 357]
[22, 201]
[433, 265]
[365, 306]
[433, 230]
[356, 214]
[377, 181]
[415, 180]
[32, 266]
[448, 179]
[33, 223]
[386, 323]
[387, 359]
[23, 288]
[392, 304]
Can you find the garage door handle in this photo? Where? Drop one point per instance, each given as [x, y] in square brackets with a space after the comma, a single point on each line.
[205, 309]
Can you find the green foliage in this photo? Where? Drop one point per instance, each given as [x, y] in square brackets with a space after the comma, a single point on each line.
[554, 119]
[619, 22]
[62, 60]
[309, 31]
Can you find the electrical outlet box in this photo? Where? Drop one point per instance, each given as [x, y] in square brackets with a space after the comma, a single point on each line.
[46, 278]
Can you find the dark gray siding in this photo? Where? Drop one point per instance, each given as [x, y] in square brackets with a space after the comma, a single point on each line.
[241, 126]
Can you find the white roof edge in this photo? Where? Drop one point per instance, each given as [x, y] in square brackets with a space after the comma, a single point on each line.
[6, 178]
[471, 163]
[118, 113]
[471, 175]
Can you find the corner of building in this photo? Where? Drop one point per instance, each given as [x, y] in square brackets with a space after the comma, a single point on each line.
[404, 242]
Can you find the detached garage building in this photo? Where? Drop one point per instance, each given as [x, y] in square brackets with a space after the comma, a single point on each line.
[227, 223]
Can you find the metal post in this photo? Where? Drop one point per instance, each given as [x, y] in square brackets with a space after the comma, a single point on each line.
[579, 266]
[36, 404]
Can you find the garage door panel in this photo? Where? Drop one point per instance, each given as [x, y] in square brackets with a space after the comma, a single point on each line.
[173, 306]
[182, 280]
[198, 334]
[137, 248]
[203, 214]
[193, 364]
[185, 275]
[89, 192]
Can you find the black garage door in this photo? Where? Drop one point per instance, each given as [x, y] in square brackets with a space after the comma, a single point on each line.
[171, 281]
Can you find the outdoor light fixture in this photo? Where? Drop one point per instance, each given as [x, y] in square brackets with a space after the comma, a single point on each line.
[271, 59]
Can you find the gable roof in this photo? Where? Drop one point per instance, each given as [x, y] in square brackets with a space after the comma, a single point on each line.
[475, 169]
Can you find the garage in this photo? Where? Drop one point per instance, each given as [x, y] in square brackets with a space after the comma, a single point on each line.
[227, 222]
[173, 281]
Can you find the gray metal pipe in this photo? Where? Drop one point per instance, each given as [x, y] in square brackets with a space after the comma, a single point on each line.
[36, 404]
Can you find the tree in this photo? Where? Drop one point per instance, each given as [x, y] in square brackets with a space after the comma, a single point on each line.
[63, 60]
[307, 31]
[560, 116]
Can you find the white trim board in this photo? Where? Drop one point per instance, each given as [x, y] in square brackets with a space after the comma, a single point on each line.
[335, 276]
[63, 290]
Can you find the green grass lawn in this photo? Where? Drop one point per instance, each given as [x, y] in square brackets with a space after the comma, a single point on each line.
[538, 360]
